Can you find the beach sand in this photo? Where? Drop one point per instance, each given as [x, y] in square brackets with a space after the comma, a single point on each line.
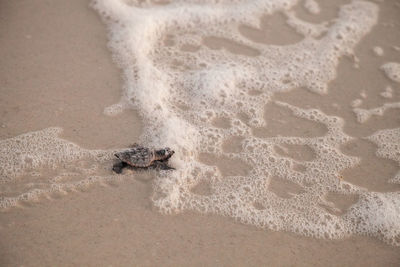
[56, 70]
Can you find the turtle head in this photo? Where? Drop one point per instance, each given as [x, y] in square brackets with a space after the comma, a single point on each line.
[164, 154]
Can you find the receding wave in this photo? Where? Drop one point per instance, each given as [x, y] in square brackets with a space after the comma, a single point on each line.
[201, 85]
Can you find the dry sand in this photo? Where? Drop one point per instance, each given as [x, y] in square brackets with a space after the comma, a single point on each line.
[56, 71]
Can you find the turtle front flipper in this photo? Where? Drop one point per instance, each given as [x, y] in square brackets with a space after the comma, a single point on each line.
[117, 167]
[162, 165]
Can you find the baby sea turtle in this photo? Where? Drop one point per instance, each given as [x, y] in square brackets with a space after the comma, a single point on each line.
[142, 157]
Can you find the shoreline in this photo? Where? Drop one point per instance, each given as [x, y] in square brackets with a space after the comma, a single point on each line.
[117, 225]
[54, 55]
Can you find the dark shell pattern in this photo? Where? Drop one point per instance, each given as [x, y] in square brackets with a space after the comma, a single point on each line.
[137, 156]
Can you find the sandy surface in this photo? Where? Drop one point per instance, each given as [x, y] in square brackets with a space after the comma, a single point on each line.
[56, 71]
[117, 226]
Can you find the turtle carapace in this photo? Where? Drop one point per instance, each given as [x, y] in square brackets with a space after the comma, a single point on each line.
[143, 157]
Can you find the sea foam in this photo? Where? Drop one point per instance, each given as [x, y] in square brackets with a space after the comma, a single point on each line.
[25, 158]
[196, 98]
[181, 87]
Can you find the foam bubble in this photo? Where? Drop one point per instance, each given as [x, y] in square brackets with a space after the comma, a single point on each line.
[392, 71]
[387, 93]
[114, 109]
[312, 6]
[356, 103]
[378, 51]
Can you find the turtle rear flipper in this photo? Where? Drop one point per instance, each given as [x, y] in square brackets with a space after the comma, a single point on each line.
[117, 167]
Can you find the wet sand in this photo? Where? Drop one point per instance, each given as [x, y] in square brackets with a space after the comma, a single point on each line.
[57, 71]
[116, 225]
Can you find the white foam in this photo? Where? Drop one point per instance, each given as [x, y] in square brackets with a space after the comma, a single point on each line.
[388, 142]
[378, 51]
[365, 114]
[24, 157]
[181, 93]
[306, 28]
[356, 103]
[387, 93]
[312, 6]
[377, 214]
[114, 109]
[363, 94]
[392, 71]
[34, 149]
